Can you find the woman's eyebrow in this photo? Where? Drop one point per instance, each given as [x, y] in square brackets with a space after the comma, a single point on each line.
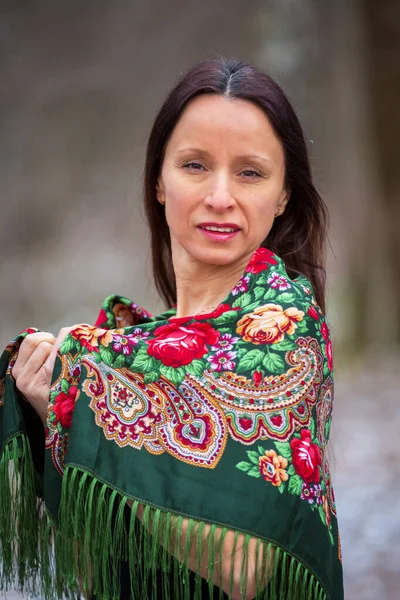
[197, 150]
[257, 157]
[242, 157]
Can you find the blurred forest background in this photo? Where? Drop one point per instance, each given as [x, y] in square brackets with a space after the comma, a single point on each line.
[80, 83]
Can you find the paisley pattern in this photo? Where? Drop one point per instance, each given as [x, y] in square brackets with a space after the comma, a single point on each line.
[276, 407]
[187, 425]
[191, 421]
[196, 430]
[126, 409]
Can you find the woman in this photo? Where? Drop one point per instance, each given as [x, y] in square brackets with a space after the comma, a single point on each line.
[186, 453]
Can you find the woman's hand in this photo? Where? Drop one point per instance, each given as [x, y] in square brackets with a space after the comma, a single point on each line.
[34, 366]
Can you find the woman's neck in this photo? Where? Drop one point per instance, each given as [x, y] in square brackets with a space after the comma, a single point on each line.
[202, 287]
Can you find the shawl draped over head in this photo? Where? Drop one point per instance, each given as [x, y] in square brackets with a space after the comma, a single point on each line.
[221, 419]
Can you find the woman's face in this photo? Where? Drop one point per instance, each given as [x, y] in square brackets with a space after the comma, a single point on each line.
[223, 168]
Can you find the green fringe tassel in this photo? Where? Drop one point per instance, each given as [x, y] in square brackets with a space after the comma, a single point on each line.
[19, 516]
[27, 530]
[97, 531]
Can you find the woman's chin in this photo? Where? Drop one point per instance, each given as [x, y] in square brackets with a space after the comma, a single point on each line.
[217, 255]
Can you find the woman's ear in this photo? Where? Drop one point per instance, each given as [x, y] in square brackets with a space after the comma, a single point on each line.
[160, 191]
[284, 199]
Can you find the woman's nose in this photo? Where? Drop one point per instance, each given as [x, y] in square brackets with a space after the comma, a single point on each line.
[220, 197]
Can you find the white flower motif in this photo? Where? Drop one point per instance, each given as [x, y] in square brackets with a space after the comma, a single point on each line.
[225, 342]
[278, 282]
[222, 360]
[241, 286]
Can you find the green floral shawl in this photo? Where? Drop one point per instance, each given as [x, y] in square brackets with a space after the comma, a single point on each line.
[221, 418]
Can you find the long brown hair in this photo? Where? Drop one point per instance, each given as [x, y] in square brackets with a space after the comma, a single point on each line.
[298, 236]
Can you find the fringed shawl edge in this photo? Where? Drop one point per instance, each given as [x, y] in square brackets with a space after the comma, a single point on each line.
[84, 549]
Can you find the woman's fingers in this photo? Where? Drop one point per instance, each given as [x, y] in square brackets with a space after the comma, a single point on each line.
[28, 347]
[33, 368]
[31, 380]
[38, 350]
[29, 375]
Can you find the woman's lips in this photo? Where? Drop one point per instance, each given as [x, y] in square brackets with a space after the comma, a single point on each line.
[218, 236]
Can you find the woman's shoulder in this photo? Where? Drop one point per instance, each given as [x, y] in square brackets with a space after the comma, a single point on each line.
[278, 314]
[266, 283]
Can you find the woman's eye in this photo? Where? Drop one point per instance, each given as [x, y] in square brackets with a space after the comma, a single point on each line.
[193, 165]
[251, 174]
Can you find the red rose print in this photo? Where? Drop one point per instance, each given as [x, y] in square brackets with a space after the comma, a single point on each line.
[325, 331]
[329, 355]
[312, 312]
[257, 377]
[306, 457]
[176, 344]
[261, 260]
[64, 406]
